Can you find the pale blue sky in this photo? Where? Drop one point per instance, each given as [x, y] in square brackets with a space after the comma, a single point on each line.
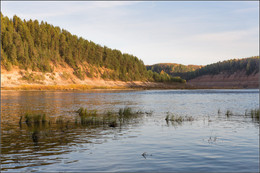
[156, 32]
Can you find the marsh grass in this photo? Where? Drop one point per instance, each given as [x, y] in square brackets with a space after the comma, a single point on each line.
[127, 111]
[176, 118]
[89, 117]
[127, 114]
[246, 113]
[60, 120]
[20, 121]
[85, 117]
[228, 113]
[84, 112]
[219, 112]
[35, 119]
[110, 118]
[149, 113]
[254, 113]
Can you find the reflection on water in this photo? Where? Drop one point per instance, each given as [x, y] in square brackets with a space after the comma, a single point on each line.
[36, 140]
[213, 142]
[21, 147]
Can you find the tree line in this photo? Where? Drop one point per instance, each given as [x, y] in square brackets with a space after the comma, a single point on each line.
[248, 65]
[173, 69]
[40, 46]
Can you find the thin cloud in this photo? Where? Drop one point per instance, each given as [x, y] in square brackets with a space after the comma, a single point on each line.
[54, 9]
[229, 36]
[247, 10]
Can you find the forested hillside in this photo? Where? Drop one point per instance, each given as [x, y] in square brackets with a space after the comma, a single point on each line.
[249, 65]
[173, 69]
[39, 46]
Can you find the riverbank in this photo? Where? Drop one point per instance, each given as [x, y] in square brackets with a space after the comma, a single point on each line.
[75, 87]
[126, 86]
[238, 79]
[64, 79]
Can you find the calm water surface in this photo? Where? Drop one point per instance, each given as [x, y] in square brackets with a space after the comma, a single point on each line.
[210, 143]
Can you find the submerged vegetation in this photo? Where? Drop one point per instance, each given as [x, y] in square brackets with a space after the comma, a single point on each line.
[31, 118]
[89, 117]
[39, 127]
[176, 118]
[85, 117]
[112, 119]
[228, 113]
[253, 113]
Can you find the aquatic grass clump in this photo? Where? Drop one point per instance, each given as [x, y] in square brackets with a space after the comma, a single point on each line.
[246, 112]
[176, 118]
[228, 113]
[59, 120]
[189, 118]
[85, 112]
[87, 120]
[140, 112]
[127, 111]
[126, 114]
[89, 117]
[33, 118]
[110, 118]
[20, 121]
[254, 113]
[149, 113]
[43, 118]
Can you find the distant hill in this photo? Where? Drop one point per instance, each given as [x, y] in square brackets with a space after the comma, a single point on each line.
[248, 65]
[173, 69]
[234, 73]
[41, 47]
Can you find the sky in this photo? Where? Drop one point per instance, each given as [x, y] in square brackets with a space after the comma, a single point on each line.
[188, 32]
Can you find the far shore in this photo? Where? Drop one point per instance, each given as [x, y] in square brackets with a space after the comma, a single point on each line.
[81, 87]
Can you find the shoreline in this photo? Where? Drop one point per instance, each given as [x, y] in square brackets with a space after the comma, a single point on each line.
[82, 87]
[16, 80]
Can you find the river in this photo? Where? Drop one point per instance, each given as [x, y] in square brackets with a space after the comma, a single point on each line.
[212, 142]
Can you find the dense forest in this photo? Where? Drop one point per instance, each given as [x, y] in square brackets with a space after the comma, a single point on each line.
[173, 69]
[249, 65]
[40, 46]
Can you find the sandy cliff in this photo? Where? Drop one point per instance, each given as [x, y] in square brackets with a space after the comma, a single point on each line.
[235, 80]
[64, 78]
